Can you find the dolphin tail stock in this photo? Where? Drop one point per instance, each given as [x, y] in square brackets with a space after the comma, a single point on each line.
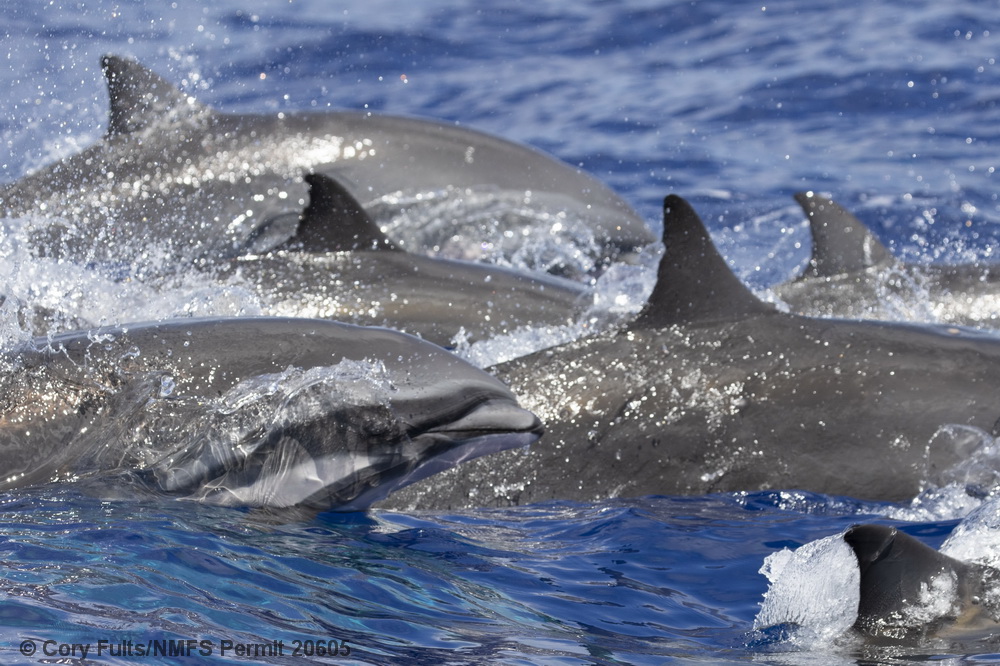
[694, 283]
[334, 221]
[141, 99]
[841, 242]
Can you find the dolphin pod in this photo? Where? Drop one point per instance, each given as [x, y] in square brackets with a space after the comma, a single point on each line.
[263, 412]
[710, 389]
[234, 181]
[852, 274]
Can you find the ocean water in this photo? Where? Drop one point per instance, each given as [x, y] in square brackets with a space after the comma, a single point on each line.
[890, 107]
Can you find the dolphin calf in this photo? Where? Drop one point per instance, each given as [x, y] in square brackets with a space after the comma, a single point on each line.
[261, 412]
[710, 389]
[909, 590]
[851, 274]
[360, 276]
[169, 163]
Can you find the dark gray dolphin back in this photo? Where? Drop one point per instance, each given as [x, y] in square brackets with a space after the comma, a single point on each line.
[841, 242]
[175, 177]
[693, 282]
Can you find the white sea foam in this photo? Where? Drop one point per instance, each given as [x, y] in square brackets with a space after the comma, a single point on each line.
[815, 588]
[618, 295]
[517, 229]
[977, 537]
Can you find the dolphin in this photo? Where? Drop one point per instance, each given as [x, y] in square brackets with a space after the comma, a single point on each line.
[259, 412]
[852, 274]
[168, 163]
[340, 266]
[357, 276]
[909, 590]
[711, 389]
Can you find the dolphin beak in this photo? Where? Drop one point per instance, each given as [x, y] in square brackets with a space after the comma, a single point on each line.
[491, 426]
[493, 417]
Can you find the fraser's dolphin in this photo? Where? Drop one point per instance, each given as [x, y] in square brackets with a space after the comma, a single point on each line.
[362, 279]
[168, 163]
[852, 274]
[253, 412]
[359, 276]
[710, 389]
[909, 590]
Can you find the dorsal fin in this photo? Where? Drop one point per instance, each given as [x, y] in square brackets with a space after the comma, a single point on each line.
[895, 567]
[694, 283]
[841, 242]
[334, 221]
[140, 98]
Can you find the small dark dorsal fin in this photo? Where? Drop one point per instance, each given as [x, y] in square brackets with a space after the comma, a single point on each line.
[694, 283]
[841, 242]
[334, 221]
[895, 566]
[140, 98]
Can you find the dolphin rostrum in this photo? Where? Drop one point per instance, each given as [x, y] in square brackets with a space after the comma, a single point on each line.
[852, 274]
[262, 412]
[710, 389]
[175, 175]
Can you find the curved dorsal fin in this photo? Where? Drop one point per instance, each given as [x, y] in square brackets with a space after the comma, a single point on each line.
[896, 566]
[140, 98]
[693, 282]
[841, 242]
[334, 221]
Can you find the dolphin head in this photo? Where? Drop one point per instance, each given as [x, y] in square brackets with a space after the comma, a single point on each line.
[479, 425]
[340, 433]
[256, 412]
[446, 424]
[325, 444]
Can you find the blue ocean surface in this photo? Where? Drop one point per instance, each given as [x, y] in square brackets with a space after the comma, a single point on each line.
[890, 107]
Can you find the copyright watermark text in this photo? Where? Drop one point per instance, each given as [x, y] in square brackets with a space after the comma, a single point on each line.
[184, 647]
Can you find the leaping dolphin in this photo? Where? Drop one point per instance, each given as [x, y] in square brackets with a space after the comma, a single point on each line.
[174, 173]
[261, 412]
[852, 274]
[711, 389]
